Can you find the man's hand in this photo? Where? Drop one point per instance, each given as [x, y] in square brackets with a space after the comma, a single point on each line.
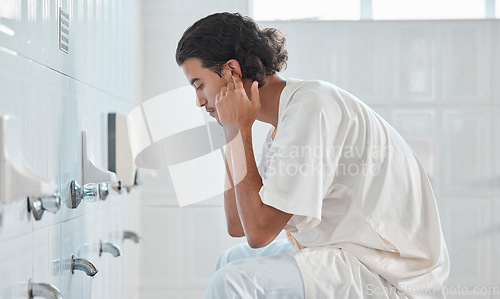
[235, 109]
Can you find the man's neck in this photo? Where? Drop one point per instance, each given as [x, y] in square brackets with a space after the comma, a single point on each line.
[269, 99]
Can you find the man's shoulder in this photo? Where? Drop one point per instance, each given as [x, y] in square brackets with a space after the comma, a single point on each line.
[317, 93]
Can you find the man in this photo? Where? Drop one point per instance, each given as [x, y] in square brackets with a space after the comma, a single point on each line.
[354, 200]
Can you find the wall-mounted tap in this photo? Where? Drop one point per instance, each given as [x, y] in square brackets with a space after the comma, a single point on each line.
[132, 236]
[73, 264]
[44, 290]
[37, 205]
[109, 247]
[88, 192]
[83, 265]
[104, 189]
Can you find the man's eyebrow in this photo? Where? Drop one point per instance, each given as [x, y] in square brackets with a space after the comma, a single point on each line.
[194, 80]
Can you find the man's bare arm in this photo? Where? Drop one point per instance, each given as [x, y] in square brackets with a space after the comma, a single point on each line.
[234, 227]
[261, 223]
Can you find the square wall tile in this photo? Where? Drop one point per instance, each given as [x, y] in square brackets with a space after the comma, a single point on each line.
[495, 63]
[415, 63]
[161, 254]
[495, 171]
[466, 225]
[418, 128]
[466, 70]
[465, 145]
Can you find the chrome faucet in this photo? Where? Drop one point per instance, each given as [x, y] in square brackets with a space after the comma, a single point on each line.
[43, 290]
[38, 205]
[83, 265]
[132, 236]
[73, 264]
[104, 189]
[77, 194]
[109, 247]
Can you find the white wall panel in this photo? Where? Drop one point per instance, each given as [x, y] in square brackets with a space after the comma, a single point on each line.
[211, 237]
[495, 65]
[161, 266]
[360, 68]
[8, 96]
[465, 146]
[8, 262]
[417, 128]
[466, 71]
[416, 63]
[494, 232]
[40, 253]
[468, 241]
[495, 133]
[24, 261]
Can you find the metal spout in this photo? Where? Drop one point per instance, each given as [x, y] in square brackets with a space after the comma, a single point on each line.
[132, 236]
[43, 290]
[111, 248]
[83, 265]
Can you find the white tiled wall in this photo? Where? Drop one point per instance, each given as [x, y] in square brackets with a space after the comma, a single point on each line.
[436, 82]
[55, 96]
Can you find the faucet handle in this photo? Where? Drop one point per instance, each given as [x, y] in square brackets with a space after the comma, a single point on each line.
[37, 205]
[132, 236]
[104, 189]
[88, 192]
[43, 290]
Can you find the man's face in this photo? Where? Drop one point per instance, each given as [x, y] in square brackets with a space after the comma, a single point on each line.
[206, 83]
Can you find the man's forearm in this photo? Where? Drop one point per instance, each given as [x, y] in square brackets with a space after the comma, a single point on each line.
[233, 222]
[256, 218]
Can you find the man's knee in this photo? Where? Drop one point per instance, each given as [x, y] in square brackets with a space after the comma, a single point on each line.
[232, 254]
[228, 282]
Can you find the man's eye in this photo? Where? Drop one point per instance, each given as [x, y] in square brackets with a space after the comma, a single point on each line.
[199, 87]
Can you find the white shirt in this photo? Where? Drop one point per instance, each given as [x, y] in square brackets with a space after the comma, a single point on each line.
[352, 182]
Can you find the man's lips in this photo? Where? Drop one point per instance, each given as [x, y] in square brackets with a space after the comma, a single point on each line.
[211, 112]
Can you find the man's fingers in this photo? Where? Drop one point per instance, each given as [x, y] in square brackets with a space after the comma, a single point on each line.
[223, 91]
[237, 81]
[230, 86]
[254, 93]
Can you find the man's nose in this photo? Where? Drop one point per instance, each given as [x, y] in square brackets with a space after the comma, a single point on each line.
[200, 100]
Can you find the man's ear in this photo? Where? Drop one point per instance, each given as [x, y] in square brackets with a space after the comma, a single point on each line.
[234, 67]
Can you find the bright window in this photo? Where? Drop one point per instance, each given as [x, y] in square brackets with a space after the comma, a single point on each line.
[427, 9]
[374, 9]
[306, 9]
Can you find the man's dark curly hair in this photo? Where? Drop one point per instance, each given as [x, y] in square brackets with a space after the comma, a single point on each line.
[220, 37]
